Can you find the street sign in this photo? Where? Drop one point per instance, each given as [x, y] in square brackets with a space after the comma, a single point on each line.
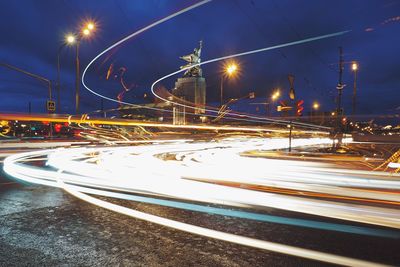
[283, 108]
[51, 105]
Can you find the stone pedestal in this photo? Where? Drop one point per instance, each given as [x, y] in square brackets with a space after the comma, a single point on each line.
[192, 92]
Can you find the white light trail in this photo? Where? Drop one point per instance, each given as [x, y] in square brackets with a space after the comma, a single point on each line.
[242, 240]
[161, 168]
[306, 40]
[143, 169]
[126, 39]
[235, 116]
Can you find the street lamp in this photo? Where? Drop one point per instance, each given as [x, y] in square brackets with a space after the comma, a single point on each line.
[86, 31]
[275, 95]
[354, 68]
[230, 71]
[315, 105]
[69, 40]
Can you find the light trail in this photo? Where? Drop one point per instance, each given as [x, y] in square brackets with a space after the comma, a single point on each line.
[211, 160]
[245, 215]
[234, 115]
[246, 241]
[126, 39]
[306, 40]
[161, 168]
[123, 122]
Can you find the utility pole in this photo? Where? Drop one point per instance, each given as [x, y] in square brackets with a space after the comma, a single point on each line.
[221, 91]
[77, 82]
[339, 87]
[290, 136]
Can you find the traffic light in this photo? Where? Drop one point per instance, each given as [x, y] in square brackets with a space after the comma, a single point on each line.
[299, 107]
[57, 127]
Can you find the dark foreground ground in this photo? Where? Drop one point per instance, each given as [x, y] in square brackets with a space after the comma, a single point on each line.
[41, 226]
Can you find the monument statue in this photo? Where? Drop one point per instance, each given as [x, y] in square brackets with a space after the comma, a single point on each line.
[190, 90]
[193, 59]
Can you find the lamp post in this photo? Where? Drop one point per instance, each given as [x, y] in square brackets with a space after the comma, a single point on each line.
[315, 107]
[89, 28]
[274, 97]
[354, 68]
[77, 96]
[69, 40]
[229, 71]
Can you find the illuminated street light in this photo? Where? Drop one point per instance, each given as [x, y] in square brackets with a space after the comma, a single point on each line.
[315, 105]
[354, 66]
[70, 39]
[90, 26]
[276, 95]
[230, 71]
[86, 32]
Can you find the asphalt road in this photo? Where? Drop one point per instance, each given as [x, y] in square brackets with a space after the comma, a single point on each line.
[44, 226]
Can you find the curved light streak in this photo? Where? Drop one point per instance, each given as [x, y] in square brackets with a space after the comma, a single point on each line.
[195, 161]
[80, 168]
[245, 54]
[205, 62]
[242, 240]
[126, 39]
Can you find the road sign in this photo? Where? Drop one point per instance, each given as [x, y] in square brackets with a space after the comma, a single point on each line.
[51, 105]
[283, 108]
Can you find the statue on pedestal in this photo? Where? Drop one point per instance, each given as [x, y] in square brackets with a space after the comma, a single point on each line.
[193, 59]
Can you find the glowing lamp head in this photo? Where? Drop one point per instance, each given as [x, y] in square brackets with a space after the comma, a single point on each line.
[70, 39]
[90, 26]
[316, 105]
[231, 69]
[354, 66]
[276, 95]
[86, 31]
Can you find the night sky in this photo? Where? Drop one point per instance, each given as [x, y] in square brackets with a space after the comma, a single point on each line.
[32, 31]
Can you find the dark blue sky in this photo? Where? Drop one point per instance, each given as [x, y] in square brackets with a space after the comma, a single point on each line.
[32, 31]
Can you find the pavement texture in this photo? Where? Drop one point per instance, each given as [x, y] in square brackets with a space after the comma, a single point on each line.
[42, 226]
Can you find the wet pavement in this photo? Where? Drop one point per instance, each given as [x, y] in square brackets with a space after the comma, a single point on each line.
[42, 226]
